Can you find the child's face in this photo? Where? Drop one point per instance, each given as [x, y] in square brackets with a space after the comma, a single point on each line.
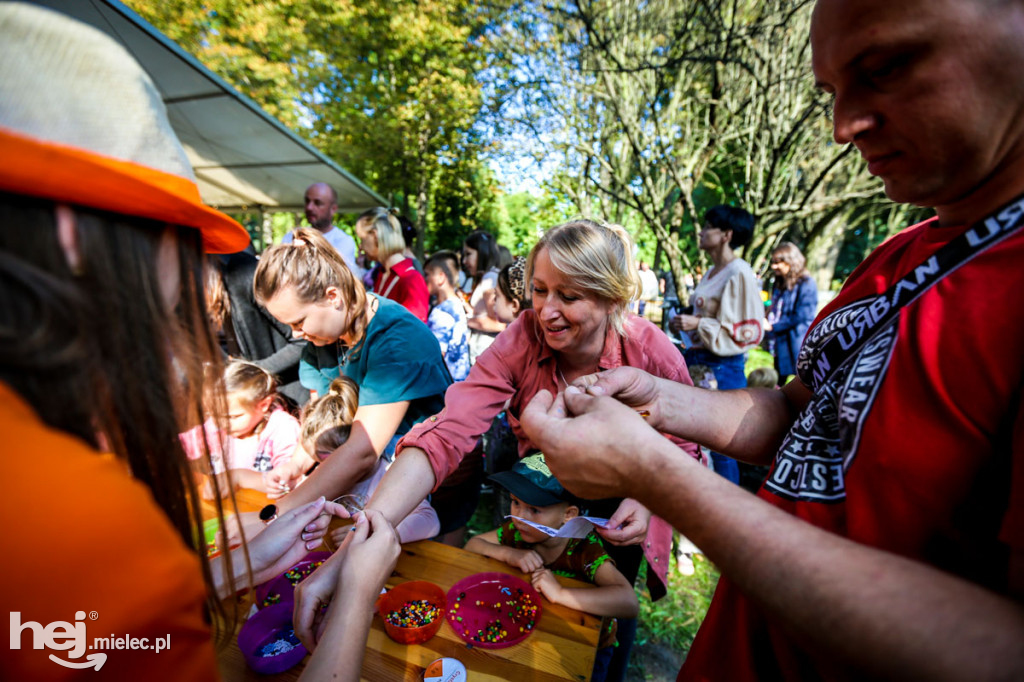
[436, 279]
[469, 260]
[552, 516]
[504, 309]
[243, 419]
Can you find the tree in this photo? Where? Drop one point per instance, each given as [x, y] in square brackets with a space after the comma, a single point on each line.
[387, 88]
[659, 109]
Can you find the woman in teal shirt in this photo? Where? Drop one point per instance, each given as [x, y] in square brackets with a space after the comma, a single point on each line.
[393, 356]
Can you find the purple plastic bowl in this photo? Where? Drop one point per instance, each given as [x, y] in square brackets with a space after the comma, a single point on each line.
[282, 585]
[264, 627]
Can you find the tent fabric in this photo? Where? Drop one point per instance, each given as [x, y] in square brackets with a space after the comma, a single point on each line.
[243, 158]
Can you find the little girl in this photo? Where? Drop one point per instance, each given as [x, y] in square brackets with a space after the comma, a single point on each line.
[259, 433]
[510, 296]
[326, 425]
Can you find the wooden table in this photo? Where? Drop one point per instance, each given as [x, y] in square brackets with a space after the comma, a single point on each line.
[562, 646]
[246, 500]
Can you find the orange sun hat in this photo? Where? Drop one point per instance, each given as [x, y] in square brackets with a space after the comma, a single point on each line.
[82, 123]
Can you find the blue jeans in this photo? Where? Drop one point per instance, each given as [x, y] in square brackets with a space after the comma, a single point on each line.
[601, 662]
[729, 372]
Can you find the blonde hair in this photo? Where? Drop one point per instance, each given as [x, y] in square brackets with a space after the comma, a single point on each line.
[310, 265]
[763, 377]
[249, 383]
[596, 257]
[327, 420]
[388, 230]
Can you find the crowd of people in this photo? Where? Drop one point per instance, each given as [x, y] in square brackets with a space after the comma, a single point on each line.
[884, 538]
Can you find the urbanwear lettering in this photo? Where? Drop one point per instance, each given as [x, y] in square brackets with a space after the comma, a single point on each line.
[822, 443]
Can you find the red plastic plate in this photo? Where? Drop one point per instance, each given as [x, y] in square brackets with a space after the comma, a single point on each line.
[493, 610]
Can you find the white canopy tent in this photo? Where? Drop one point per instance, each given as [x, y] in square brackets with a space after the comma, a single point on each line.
[244, 159]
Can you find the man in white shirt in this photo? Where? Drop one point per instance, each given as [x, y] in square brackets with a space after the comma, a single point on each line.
[321, 207]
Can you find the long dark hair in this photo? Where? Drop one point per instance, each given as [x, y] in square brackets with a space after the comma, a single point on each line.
[487, 255]
[97, 354]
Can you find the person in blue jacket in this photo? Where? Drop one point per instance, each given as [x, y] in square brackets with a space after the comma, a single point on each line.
[794, 305]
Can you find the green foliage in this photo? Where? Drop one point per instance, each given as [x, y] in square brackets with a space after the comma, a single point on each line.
[674, 620]
[654, 111]
[387, 88]
[758, 357]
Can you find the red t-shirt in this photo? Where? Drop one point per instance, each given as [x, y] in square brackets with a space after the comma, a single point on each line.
[916, 447]
[405, 285]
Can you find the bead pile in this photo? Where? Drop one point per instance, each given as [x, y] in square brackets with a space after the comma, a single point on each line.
[282, 644]
[413, 614]
[270, 599]
[297, 574]
[520, 611]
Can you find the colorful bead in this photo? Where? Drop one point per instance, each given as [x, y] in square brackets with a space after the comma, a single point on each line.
[413, 614]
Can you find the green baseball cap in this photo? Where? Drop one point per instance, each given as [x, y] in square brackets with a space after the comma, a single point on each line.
[531, 481]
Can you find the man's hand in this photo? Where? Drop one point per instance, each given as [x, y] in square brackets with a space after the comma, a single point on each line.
[628, 385]
[602, 452]
[633, 518]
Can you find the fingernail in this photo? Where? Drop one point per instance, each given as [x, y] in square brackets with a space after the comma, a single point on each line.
[311, 527]
[572, 389]
[312, 545]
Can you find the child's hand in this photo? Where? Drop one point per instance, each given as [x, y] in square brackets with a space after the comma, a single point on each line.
[544, 581]
[279, 481]
[526, 560]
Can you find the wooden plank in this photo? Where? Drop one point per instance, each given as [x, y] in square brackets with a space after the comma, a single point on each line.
[562, 646]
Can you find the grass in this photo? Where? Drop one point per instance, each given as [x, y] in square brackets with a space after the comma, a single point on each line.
[667, 627]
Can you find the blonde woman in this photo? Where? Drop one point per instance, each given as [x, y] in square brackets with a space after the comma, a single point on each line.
[380, 238]
[391, 356]
[582, 279]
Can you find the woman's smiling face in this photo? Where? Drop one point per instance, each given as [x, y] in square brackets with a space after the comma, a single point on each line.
[573, 320]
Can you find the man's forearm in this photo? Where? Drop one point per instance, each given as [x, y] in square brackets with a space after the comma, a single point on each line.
[746, 424]
[869, 609]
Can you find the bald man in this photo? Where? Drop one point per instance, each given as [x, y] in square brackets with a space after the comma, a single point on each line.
[888, 539]
[321, 207]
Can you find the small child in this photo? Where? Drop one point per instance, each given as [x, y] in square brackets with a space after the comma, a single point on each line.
[703, 377]
[326, 426]
[538, 497]
[511, 299]
[260, 433]
[448, 318]
[763, 377]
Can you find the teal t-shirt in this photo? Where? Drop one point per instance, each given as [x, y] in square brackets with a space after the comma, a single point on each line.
[399, 359]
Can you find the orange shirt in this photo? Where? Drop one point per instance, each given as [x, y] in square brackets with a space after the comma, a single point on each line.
[84, 544]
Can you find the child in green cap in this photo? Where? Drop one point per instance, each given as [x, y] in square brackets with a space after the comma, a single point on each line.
[537, 496]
